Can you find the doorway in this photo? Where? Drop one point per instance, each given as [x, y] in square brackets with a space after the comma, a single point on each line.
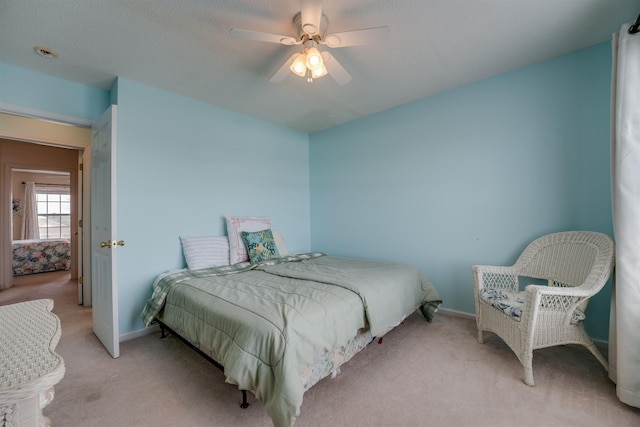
[28, 144]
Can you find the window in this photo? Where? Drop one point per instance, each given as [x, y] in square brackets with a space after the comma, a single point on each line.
[54, 212]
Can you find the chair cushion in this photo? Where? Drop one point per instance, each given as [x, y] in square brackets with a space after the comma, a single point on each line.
[511, 303]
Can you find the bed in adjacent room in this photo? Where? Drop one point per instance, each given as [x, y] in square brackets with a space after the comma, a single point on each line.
[279, 325]
[40, 256]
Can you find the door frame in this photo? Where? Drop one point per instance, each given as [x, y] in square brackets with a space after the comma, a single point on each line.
[41, 127]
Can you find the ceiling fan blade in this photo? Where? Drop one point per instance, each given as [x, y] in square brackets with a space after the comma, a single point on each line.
[357, 37]
[311, 14]
[283, 71]
[335, 69]
[262, 37]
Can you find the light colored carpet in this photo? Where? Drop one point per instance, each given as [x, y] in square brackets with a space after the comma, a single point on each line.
[422, 374]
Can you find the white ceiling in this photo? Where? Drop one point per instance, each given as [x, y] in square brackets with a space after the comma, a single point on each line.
[183, 46]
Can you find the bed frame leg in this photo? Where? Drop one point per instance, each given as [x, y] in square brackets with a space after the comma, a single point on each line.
[244, 404]
[163, 329]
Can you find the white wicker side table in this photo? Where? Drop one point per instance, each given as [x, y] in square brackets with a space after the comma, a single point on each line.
[29, 366]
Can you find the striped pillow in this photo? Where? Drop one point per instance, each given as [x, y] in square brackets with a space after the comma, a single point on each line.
[205, 252]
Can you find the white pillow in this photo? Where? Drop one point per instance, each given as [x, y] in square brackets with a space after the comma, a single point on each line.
[205, 252]
[279, 239]
[236, 224]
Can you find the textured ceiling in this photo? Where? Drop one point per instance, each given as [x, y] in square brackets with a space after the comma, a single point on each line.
[184, 47]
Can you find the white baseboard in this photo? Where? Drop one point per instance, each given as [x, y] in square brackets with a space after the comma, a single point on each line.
[139, 333]
[602, 345]
[456, 313]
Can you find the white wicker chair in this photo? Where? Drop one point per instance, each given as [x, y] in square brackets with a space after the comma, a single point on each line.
[572, 267]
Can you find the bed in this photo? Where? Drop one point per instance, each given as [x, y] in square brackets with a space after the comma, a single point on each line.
[40, 256]
[279, 326]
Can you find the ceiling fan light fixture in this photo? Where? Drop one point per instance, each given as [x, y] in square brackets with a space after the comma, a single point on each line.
[311, 31]
[319, 72]
[299, 65]
[314, 59]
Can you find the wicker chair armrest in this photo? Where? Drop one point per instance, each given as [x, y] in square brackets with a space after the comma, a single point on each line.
[564, 301]
[493, 276]
[577, 291]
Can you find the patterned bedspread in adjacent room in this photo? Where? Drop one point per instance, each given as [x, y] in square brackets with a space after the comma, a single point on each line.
[39, 256]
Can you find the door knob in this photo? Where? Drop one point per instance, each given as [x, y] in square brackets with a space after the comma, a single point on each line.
[111, 243]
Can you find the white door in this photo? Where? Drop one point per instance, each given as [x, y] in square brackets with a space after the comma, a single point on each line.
[104, 285]
[79, 258]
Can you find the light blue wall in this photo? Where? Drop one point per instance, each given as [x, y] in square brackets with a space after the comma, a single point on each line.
[25, 88]
[472, 175]
[464, 177]
[182, 165]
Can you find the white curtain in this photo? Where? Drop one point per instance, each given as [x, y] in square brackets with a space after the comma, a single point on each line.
[30, 228]
[624, 333]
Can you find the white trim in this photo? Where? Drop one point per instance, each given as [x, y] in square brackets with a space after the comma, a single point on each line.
[456, 313]
[603, 345]
[139, 333]
[34, 113]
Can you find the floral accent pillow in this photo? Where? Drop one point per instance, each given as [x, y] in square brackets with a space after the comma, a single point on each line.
[260, 245]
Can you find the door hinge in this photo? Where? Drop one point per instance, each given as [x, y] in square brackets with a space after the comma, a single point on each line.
[80, 224]
[80, 280]
[81, 166]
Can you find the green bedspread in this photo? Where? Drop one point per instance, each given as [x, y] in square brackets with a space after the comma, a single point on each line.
[267, 322]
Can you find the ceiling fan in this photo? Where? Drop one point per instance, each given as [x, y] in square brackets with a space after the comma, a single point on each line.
[312, 24]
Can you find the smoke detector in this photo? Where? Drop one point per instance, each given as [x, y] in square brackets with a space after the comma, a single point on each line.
[45, 52]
